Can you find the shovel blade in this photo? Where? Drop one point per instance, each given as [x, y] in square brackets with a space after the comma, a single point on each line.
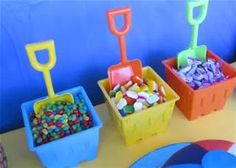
[198, 52]
[121, 73]
[63, 97]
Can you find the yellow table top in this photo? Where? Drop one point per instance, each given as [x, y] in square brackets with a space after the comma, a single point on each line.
[113, 152]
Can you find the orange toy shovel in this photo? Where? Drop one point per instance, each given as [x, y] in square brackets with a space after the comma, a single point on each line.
[122, 72]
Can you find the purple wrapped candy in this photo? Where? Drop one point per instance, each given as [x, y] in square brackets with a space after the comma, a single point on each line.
[199, 74]
[200, 70]
[185, 69]
[193, 70]
[197, 83]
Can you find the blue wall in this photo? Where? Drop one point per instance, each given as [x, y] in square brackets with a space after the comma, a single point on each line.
[85, 47]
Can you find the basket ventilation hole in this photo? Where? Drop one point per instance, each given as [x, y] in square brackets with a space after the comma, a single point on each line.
[201, 102]
[225, 94]
[140, 139]
[213, 98]
[134, 127]
[150, 121]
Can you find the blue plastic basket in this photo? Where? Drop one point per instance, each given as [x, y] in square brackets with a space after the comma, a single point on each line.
[70, 150]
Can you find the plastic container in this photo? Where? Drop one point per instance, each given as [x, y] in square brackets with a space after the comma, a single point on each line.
[70, 150]
[151, 121]
[194, 103]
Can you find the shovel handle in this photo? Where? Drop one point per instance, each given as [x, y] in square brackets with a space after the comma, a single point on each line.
[45, 68]
[111, 21]
[120, 33]
[190, 11]
[191, 4]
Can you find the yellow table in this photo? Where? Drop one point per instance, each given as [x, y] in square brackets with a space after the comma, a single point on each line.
[112, 151]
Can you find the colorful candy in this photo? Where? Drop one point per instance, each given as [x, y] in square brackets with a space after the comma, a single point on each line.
[136, 95]
[137, 79]
[118, 96]
[152, 99]
[132, 94]
[128, 109]
[60, 119]
[121, 104]
[199, 74]
[138, 106]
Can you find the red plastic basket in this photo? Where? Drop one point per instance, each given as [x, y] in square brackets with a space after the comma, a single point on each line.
[194, 103]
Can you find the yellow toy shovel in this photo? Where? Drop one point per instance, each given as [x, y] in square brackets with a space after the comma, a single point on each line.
[45, 68]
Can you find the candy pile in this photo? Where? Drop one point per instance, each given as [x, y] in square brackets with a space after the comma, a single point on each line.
[137, 95]
[60, 119]
[199, 74]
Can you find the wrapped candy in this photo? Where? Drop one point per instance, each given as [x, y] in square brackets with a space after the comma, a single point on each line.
[199, 74]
